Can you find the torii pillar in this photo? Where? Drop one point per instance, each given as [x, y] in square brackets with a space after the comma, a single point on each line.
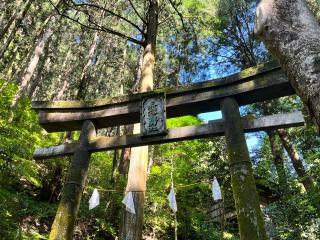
[63, 225]
[250, 218]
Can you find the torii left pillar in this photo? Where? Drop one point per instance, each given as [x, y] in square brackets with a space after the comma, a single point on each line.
[63, 225]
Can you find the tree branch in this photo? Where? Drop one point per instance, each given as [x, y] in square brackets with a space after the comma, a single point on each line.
[180, 15]
[110, 12]
[97, 27]
[102, 28]
[226, 57]
[165, 20]
[136, 11]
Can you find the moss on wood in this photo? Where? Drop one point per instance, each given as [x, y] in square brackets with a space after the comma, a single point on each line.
[250, 218]
[63, 225]
[238, 77]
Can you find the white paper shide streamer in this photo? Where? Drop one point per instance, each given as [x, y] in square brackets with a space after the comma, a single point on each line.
[94, 200]
[172, 200]
[216, 191]
[128, 202]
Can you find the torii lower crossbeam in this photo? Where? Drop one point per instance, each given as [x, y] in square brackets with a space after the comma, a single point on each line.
[212, 129]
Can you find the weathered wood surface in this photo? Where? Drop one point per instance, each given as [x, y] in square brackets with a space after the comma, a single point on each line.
[245, 195]
[251, 85]
[63, 225]
[132, 224]
[213, 128]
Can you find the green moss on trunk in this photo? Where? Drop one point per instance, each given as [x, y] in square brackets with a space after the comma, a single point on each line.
[250, 218]
[63, 225]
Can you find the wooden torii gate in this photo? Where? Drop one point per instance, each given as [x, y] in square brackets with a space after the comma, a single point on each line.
[151, 110]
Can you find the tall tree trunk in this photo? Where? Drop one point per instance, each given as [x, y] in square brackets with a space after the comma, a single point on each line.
[81, 94]
[306, 180]
[5, 29]
[125, 154]
[42, 69]
[276, 150]
[16, 24]
[291, 33]
[32, 65]
[6, 26]
[8, 67]
[25, 86]
[278, 161]
[132, 225]
[83, 83]
[65, 84]
[295, 160]
[115, 161]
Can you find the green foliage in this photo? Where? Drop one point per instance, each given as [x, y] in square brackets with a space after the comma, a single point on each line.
[103, 221]
[315, 8]
[294, 213]
[22, 216]
[295, 217]
[17, 138]
[192, 174]
[19, 174]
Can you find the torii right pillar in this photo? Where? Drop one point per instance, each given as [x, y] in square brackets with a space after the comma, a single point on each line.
[250, 217]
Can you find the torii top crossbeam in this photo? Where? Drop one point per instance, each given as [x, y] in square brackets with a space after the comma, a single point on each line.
[252, 85]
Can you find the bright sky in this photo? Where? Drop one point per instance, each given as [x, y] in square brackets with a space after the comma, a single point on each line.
[252, 140]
